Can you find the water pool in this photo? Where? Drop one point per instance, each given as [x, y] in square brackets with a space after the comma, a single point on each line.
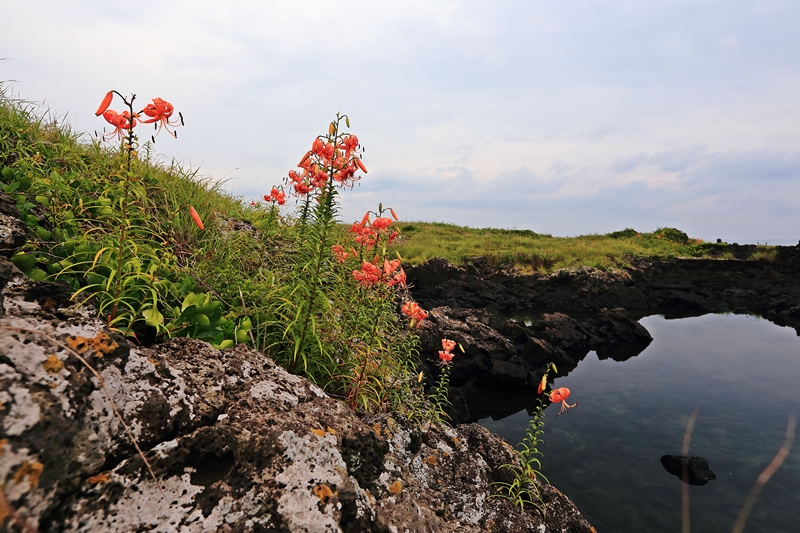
[742, 373]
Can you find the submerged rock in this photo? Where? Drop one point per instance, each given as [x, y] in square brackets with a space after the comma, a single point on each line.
[698, 470]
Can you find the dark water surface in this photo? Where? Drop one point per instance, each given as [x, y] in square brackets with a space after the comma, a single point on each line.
[741, 372]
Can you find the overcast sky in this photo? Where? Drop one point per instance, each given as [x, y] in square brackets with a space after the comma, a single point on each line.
[564, 117]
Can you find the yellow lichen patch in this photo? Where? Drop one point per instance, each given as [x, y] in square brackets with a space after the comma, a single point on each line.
[3, 443]
[30, 470]
[53, 365]
[155, 363]
[396, 487]
[377, 429]
[331, 430]
[323, 492]
[318, 432]
[101, 344]
[431, 460]
[97, 479]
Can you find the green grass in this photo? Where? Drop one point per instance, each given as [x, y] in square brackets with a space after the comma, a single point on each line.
[533, 252]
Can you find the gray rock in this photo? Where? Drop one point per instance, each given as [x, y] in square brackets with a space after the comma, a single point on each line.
[12, 229]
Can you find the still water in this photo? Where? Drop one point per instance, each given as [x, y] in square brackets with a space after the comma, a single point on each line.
[742, 374]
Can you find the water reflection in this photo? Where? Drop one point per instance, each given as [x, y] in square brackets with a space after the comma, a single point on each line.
[741, 372]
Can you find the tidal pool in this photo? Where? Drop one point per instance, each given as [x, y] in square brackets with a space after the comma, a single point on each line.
[741, 373]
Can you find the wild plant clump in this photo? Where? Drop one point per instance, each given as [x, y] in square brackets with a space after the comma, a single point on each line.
[161, 254]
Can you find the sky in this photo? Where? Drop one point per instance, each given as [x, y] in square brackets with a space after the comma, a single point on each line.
[564, 117]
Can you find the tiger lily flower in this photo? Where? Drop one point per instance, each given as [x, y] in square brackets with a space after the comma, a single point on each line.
[350, 143]
[368, 275]
[160, 111]
[122, 122]
[381, 223]
[561, 395]
[414, 312]
[276, 195]
[445, 357]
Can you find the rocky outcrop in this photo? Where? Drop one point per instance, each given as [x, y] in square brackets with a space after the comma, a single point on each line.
[500, 354]
[235, 443]
[675, 287]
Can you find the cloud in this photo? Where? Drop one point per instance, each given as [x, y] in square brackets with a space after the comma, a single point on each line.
[677, 159]
[557, 117]
[628, 163]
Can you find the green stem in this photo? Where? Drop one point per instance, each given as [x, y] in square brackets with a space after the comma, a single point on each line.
[322, 222]
[125, 181]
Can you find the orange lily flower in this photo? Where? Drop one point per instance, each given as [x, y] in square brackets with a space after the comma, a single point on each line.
[381, 223]
[160, 111]
[414, 312]
[350, 143]
[338, 251]
[122, 122]
[390, 266]
[276, 195]
[561, 395]
[368, 275]
[398, 279]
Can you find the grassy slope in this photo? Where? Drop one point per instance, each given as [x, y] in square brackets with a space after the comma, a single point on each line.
[530, 251]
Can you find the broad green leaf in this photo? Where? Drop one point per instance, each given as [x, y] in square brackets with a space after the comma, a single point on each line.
[153, 318]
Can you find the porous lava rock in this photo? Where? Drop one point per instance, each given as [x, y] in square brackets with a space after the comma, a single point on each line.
[236, 443]
[12, 229]
[674, 287]
[496, 355]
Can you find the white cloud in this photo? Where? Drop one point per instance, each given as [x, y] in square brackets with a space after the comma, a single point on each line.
[561, 118]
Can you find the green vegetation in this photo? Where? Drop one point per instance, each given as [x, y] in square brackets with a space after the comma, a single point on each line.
[523, 489]
[533, 252]
[161, 253]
